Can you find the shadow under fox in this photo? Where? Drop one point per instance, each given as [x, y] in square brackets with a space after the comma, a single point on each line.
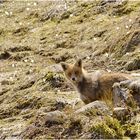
[92, 86]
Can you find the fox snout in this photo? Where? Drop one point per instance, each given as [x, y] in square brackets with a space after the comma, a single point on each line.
[73, 79]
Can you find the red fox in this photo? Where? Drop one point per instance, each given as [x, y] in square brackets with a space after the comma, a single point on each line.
[91, 87]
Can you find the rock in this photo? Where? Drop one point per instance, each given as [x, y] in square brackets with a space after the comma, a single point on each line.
[127, 91]
[132, 42]
[120, 112]
[50, 118]
[133, 65]
[1, 1]
[120, 96]
[5, 55]
[55, 68]
[135, 86]
[61, 102]
[97, 106]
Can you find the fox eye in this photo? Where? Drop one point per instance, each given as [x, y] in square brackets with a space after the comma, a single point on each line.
[69, 74]
[76, 72]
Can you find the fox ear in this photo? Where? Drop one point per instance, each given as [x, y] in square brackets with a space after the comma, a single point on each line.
[78, 63]
[64, 66]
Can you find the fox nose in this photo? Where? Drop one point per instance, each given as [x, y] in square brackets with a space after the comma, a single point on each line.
[73, 79]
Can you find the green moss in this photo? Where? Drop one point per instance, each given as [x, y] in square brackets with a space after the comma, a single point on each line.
[74, 128]
[65, 15]
[49, 76]
[54, 80]
[132, 130]
[109, 128]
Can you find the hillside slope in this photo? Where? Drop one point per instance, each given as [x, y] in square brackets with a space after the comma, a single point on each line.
[35, 36]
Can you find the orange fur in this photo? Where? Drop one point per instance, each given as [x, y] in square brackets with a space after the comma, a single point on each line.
[92, 86]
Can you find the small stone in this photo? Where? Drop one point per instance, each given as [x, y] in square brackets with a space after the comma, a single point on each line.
[58, 90]
[30, 71]
[25, 60]
[13, 65]
[126, 26]
[71, 15]
[27, 9]
[44, 80]
[108, 70]
[11, 78]
[32, 61]
[11, 13]
[106, 54]
[7, 13]
[95, 39]
[35, 3]
[127, 53]
[117, 28]
[20, 23]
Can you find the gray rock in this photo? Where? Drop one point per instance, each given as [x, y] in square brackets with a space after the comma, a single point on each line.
[98, 106]
[55, 68]
[120, 112]
[128, 91]
[44, 118]
[133, 65]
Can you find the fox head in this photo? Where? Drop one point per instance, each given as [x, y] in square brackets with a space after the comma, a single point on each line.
[73, 72]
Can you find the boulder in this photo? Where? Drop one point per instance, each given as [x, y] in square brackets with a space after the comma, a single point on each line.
[121, 112]
[127, 91]
[96, 106]
[50, 118]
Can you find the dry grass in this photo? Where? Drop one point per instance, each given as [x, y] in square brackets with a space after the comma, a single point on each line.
[34, 36]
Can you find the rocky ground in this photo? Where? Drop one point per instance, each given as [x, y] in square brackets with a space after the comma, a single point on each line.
[36, 101]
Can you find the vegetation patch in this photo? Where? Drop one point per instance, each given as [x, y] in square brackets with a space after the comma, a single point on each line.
[109, 128]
